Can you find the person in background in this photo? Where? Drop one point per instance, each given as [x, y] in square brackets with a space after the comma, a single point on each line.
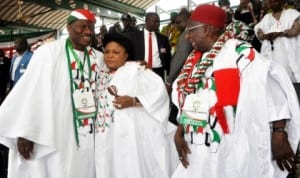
[183, 49]
[224, 4]
[245, 12]
[47, 119]
[133, 22]
[20, 60]
[297, 5]
[239, 116]
[112, 29]
[4, 75]
[151, 46]
[132, 117]
[118, 28]
[127, 23]
[279, 33]
[248, 13]
[98, 44]
[257, 7]
[171, 31]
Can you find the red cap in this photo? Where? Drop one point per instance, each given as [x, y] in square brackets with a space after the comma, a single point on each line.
[209, 14]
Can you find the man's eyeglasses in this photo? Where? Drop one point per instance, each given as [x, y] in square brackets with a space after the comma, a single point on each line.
[194, 27]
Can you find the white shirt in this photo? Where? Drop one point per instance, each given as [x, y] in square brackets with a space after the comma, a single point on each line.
[156, 62]
[15, 66]
[285, 50]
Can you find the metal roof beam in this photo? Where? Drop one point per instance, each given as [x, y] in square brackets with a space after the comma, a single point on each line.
[105, 4]
[118, 6]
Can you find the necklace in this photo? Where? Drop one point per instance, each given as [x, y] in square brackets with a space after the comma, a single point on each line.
[195, 67]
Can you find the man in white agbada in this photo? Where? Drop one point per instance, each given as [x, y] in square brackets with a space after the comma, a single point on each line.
[239, 115]
[279, 33]
[133, 139]
[46, 120]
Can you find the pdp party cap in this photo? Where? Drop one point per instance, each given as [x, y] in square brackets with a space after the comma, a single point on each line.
[81, 14]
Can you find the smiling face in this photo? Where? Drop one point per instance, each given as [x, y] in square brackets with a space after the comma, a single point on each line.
[81, 33]
[115, 55]
[197, 35]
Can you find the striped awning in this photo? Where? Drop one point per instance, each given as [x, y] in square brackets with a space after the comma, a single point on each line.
[31, 15]
[142, 4]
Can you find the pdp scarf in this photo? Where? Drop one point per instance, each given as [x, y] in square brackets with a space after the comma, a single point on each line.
[189, 79]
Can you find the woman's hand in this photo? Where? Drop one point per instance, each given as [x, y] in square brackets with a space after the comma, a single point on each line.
[122, 102]
[25, 147]
[181, 146]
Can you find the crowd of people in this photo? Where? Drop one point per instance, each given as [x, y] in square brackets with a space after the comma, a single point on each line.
[217, 97]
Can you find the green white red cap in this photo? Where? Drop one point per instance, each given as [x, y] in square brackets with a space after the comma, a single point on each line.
[81, 14]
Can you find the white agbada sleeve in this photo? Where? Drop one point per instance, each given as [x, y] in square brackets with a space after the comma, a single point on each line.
[267, 90]
[285, 100]
[141, 135]
[39, 108]
[277, 99]
[146, 86]
[285, 104]
[23, 115]
[155, 101]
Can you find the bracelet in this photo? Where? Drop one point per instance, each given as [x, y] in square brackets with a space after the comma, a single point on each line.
[278, 129]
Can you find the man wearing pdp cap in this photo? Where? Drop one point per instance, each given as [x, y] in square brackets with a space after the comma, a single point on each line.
[51, 135]
[239, 115]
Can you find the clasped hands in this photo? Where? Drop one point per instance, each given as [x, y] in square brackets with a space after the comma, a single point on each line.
[269, 36]
[289, 33]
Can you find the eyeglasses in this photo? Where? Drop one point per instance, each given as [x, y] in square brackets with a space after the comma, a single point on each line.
[194, 27]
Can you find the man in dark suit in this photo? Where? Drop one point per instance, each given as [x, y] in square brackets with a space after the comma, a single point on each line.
[151, 46]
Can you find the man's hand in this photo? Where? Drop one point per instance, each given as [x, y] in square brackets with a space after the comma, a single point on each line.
[181, 146]
[272, 36]
[282, 151]
[25, 147]
[269, 36]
